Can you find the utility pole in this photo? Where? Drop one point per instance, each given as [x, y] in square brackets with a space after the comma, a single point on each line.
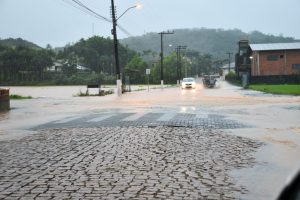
[162, 56]
[229, 61]
[179, 66]
[114, 33]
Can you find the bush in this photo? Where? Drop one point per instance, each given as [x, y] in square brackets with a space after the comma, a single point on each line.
[19, 97]
[101, 93]
[233, 79]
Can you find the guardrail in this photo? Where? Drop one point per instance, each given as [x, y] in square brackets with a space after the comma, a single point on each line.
[4, 100]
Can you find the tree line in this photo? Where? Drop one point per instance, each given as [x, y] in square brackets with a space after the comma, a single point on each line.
[216, 42]
[23, 64]
[91, 61]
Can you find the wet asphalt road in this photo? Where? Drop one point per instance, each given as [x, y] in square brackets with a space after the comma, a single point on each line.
[224, 143]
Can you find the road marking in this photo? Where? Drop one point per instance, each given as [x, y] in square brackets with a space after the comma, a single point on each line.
[134, 117]
[201, 115]
[99, 119]
[166, 117]
[67, 120]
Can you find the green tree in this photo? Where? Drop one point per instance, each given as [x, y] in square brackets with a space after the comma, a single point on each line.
[170, 69]
[23, 63]
[136, 69]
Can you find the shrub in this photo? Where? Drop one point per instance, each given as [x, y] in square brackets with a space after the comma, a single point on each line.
[233, 78]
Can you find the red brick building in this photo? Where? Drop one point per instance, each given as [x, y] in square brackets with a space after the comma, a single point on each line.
[275, 59]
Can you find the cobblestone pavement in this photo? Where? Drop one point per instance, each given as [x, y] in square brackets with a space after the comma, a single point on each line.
[124, 163]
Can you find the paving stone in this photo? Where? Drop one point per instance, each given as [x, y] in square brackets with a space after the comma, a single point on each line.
[212, 121]
[125, 163]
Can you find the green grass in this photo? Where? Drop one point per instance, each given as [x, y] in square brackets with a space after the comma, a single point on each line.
[277, 89]
[19, 97]
[235, 82]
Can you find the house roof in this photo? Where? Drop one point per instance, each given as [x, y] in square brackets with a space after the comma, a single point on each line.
[232, 65]
[275, 46]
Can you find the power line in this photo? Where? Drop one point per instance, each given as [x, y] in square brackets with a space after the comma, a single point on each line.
[82, 9]
[93, 13]
[79, 5]
[124, 31]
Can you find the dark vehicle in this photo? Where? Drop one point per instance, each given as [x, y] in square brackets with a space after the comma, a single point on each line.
[292, 189]
[209, 81]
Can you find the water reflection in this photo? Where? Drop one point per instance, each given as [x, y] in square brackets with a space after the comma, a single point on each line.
[187, 109]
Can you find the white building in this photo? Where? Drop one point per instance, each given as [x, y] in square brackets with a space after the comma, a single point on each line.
[226, 68]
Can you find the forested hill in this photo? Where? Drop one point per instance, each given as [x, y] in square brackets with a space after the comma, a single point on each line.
[11, 42]
[216, 42]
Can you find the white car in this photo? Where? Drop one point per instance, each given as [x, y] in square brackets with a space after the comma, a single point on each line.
[188, 83]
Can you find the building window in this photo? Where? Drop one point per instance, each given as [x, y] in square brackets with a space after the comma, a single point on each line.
[241, 52]
[272, 57]
[296, 66]
[281, 56]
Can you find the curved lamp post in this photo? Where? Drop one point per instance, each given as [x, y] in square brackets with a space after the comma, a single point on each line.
[138, 6]
[114, 33]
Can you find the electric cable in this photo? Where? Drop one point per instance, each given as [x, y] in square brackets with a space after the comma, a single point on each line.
[79, 5]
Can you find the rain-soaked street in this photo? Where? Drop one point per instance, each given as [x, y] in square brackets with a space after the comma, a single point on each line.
[220, 143]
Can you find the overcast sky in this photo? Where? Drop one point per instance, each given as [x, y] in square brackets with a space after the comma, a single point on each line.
[57, 23]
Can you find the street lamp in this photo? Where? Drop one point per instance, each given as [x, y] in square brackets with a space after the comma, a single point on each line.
[137, 6]
[114, 33]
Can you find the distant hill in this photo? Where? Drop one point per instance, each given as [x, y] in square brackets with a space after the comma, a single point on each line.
[213, 41]
[11, 42]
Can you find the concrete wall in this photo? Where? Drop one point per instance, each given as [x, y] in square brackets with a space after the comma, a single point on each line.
[261, 66]
[4, 100]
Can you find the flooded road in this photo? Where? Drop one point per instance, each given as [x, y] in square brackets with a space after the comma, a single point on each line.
[271, 119]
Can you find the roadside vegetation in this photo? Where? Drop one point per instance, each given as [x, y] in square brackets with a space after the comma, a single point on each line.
[91, 61]
[277, 89]
[233, 79]
[19, 97]
[101, 93]
[287, 89]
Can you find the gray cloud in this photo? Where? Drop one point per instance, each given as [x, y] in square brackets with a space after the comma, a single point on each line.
[57, 23]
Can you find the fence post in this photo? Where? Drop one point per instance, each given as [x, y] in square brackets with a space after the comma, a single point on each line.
[4, 100]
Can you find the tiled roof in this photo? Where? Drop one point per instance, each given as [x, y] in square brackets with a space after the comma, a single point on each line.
[275, 46]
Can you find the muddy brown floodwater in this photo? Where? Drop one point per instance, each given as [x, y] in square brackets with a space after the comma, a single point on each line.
[272, 120]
